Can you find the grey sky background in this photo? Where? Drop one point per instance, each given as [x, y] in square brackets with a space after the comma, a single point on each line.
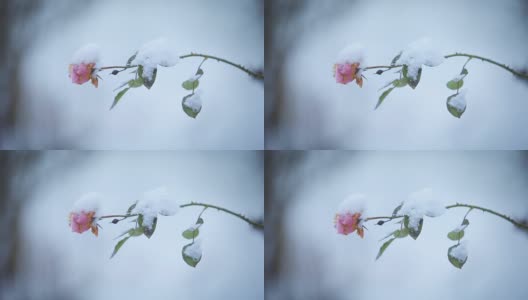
[316, 259]
[54, 259]
[55, 113]
[317, 113]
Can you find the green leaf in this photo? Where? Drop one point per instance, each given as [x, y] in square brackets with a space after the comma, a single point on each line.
[119, 245]
[464, 72]
[382, 97]
[131, 208]
[400, 82]
[191, 261]
[191, 233]
[190, 84]
[136, 231]
[129, 61]
[140, 220]
[199, 72]
[455, 262]
[149, 82]
[397, 209]
[135, 83]
[401, 233]
[455, 84]
[199, 221]
[150, 231]
[455, 235]
[413, 232]
[188, 109]
[118, 97]
[395, 59]
[452, 109]
[384, 247]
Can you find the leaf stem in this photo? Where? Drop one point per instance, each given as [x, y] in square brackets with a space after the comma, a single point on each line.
[205, 206]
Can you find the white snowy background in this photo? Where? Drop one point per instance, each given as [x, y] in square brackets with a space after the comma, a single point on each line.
[318, 263]
[318, 113]
[56, 260]
[78, 117]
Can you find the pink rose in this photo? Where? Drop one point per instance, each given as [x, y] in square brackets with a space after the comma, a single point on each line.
[82, 221]
[81, 73]
[346, 223]
[345, 73]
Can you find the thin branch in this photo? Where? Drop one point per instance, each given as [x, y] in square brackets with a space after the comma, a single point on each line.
[471, 207]
[256, 75]
[470, 56]
[240, 216]
[505, 217]
[205, 206]
[505, 67]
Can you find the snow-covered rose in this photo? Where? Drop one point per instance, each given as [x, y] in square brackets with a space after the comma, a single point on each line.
[347, 67]
[83, 214]
[81, 73]
[82, 67]
[345, 73]
[348, 217]
[348, 223]
[82, 221]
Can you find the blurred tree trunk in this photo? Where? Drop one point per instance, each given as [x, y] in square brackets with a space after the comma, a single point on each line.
[22, 21]
[13, 165]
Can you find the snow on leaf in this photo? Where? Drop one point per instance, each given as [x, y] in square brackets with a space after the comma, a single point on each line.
[456, 104]
[192, 104]
[458, 254]
[192, 253]
[418, 53]
[154, 53]
[154, 202]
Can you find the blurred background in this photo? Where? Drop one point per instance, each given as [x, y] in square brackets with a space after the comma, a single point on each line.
[41, 109]
[306, 259]
[40, 258]
[307, 109]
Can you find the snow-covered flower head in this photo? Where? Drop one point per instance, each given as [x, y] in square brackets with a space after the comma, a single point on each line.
[83, 214]
[348, 217]
[82, 68]
[348, 65]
